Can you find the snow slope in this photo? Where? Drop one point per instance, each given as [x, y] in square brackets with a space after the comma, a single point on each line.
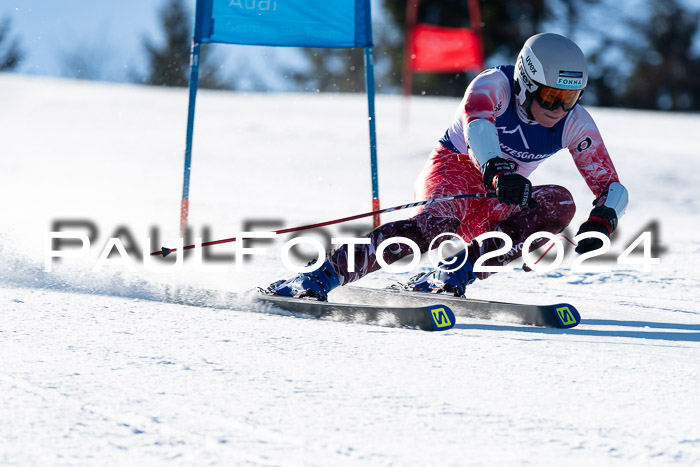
[97, 368]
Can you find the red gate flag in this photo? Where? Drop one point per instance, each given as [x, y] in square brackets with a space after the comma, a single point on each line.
[441, 49]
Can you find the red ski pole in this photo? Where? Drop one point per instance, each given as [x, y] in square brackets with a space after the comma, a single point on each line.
[166, 251]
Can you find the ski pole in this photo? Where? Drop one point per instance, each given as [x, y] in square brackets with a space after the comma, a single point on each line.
[166, 251]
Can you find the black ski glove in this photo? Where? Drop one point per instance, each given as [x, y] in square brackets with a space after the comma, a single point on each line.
[602, 219]
[511, 188]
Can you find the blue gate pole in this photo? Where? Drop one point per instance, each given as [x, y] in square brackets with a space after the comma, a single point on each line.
[369, 84]
[194, 79]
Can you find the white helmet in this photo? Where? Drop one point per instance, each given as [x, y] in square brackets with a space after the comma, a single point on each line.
[551, 69]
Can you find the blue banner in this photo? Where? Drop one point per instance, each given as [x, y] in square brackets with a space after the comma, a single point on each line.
[296, 23]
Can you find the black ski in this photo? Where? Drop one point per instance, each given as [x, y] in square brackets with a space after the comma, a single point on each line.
[430, 312]
[426, 317]
[430, 317]
[561, 315]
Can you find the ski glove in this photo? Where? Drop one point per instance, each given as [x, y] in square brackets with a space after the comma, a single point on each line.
[511, 188]
[602, 219]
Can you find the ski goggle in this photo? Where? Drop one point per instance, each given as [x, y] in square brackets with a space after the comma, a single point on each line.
[552, 98]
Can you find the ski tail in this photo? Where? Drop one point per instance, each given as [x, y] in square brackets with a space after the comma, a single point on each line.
[430, 317]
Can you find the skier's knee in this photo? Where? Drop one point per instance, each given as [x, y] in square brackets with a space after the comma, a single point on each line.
[558, 201]
[567, 206]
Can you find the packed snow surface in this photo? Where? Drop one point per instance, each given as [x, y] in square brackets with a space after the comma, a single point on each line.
[100, 367]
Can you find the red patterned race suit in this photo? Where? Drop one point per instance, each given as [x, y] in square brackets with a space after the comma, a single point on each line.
[453, 169]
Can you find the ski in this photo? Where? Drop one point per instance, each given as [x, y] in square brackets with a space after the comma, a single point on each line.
[390, 307]
[560, 315]
[426, 317]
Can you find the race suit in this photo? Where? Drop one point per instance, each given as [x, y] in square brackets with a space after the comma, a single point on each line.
[453, 169]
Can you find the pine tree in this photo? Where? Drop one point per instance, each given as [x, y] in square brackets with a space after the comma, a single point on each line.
[664, 73]
[11, 53]
[340, 70]
[660, 68]
[170, 63]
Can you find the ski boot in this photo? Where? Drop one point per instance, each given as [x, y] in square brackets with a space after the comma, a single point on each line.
[438, 281]
[315, 284]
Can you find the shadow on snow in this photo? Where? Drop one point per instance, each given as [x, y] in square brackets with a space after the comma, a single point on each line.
[582, 331]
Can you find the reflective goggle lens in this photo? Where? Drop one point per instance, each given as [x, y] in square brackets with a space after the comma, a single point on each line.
[551, 98]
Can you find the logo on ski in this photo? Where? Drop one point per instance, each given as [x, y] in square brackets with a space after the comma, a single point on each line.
[566, 317]
[441, 318]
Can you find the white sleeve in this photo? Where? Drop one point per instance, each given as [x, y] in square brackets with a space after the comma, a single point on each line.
[482, 137]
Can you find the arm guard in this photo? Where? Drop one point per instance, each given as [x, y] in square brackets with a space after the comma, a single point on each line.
[482, 138]
[617, 198]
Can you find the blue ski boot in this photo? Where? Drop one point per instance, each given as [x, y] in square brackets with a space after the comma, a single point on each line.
[438, 281]
[314, 284]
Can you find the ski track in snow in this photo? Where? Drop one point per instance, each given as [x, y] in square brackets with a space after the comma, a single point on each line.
[140, 367]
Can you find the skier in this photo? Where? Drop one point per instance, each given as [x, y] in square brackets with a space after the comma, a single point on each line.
[510, 120]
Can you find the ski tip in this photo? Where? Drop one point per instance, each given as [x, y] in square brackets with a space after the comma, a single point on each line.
[442, 318]
[165, 251]
[567, 315]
